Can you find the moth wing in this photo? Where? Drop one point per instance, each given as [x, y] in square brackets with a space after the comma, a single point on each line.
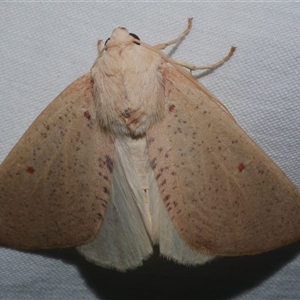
[123, 241]
[223, 193]
[54, 184]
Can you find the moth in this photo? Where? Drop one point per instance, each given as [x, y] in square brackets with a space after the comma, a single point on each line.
[138, 153]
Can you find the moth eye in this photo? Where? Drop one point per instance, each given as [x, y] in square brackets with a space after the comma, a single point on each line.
[106, 41]
[135, 36]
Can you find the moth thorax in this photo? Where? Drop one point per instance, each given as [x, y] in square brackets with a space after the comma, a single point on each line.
[129, 109]
[129, 89]
[131, 120]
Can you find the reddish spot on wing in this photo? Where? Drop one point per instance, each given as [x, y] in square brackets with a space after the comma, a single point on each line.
[30, 170]
[241, 167]
[171, 107]
[87, 115]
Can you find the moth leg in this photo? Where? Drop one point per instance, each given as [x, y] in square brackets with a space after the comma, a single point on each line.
[174, 41]
[212, 66]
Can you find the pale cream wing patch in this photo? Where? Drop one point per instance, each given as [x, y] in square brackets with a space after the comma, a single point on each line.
[55, 183]
[166, 235]
[123, 241]
[223, 194]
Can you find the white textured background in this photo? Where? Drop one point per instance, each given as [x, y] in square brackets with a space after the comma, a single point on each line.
[45, 46]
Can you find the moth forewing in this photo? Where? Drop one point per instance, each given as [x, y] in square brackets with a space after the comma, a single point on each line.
[53, 192]
[223, 194]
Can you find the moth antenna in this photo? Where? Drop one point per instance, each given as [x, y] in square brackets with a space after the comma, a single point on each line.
[99, 47]
[208, 67]
[176, 40]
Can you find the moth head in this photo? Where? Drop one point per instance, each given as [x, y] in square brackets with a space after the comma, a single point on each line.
[121, 36]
